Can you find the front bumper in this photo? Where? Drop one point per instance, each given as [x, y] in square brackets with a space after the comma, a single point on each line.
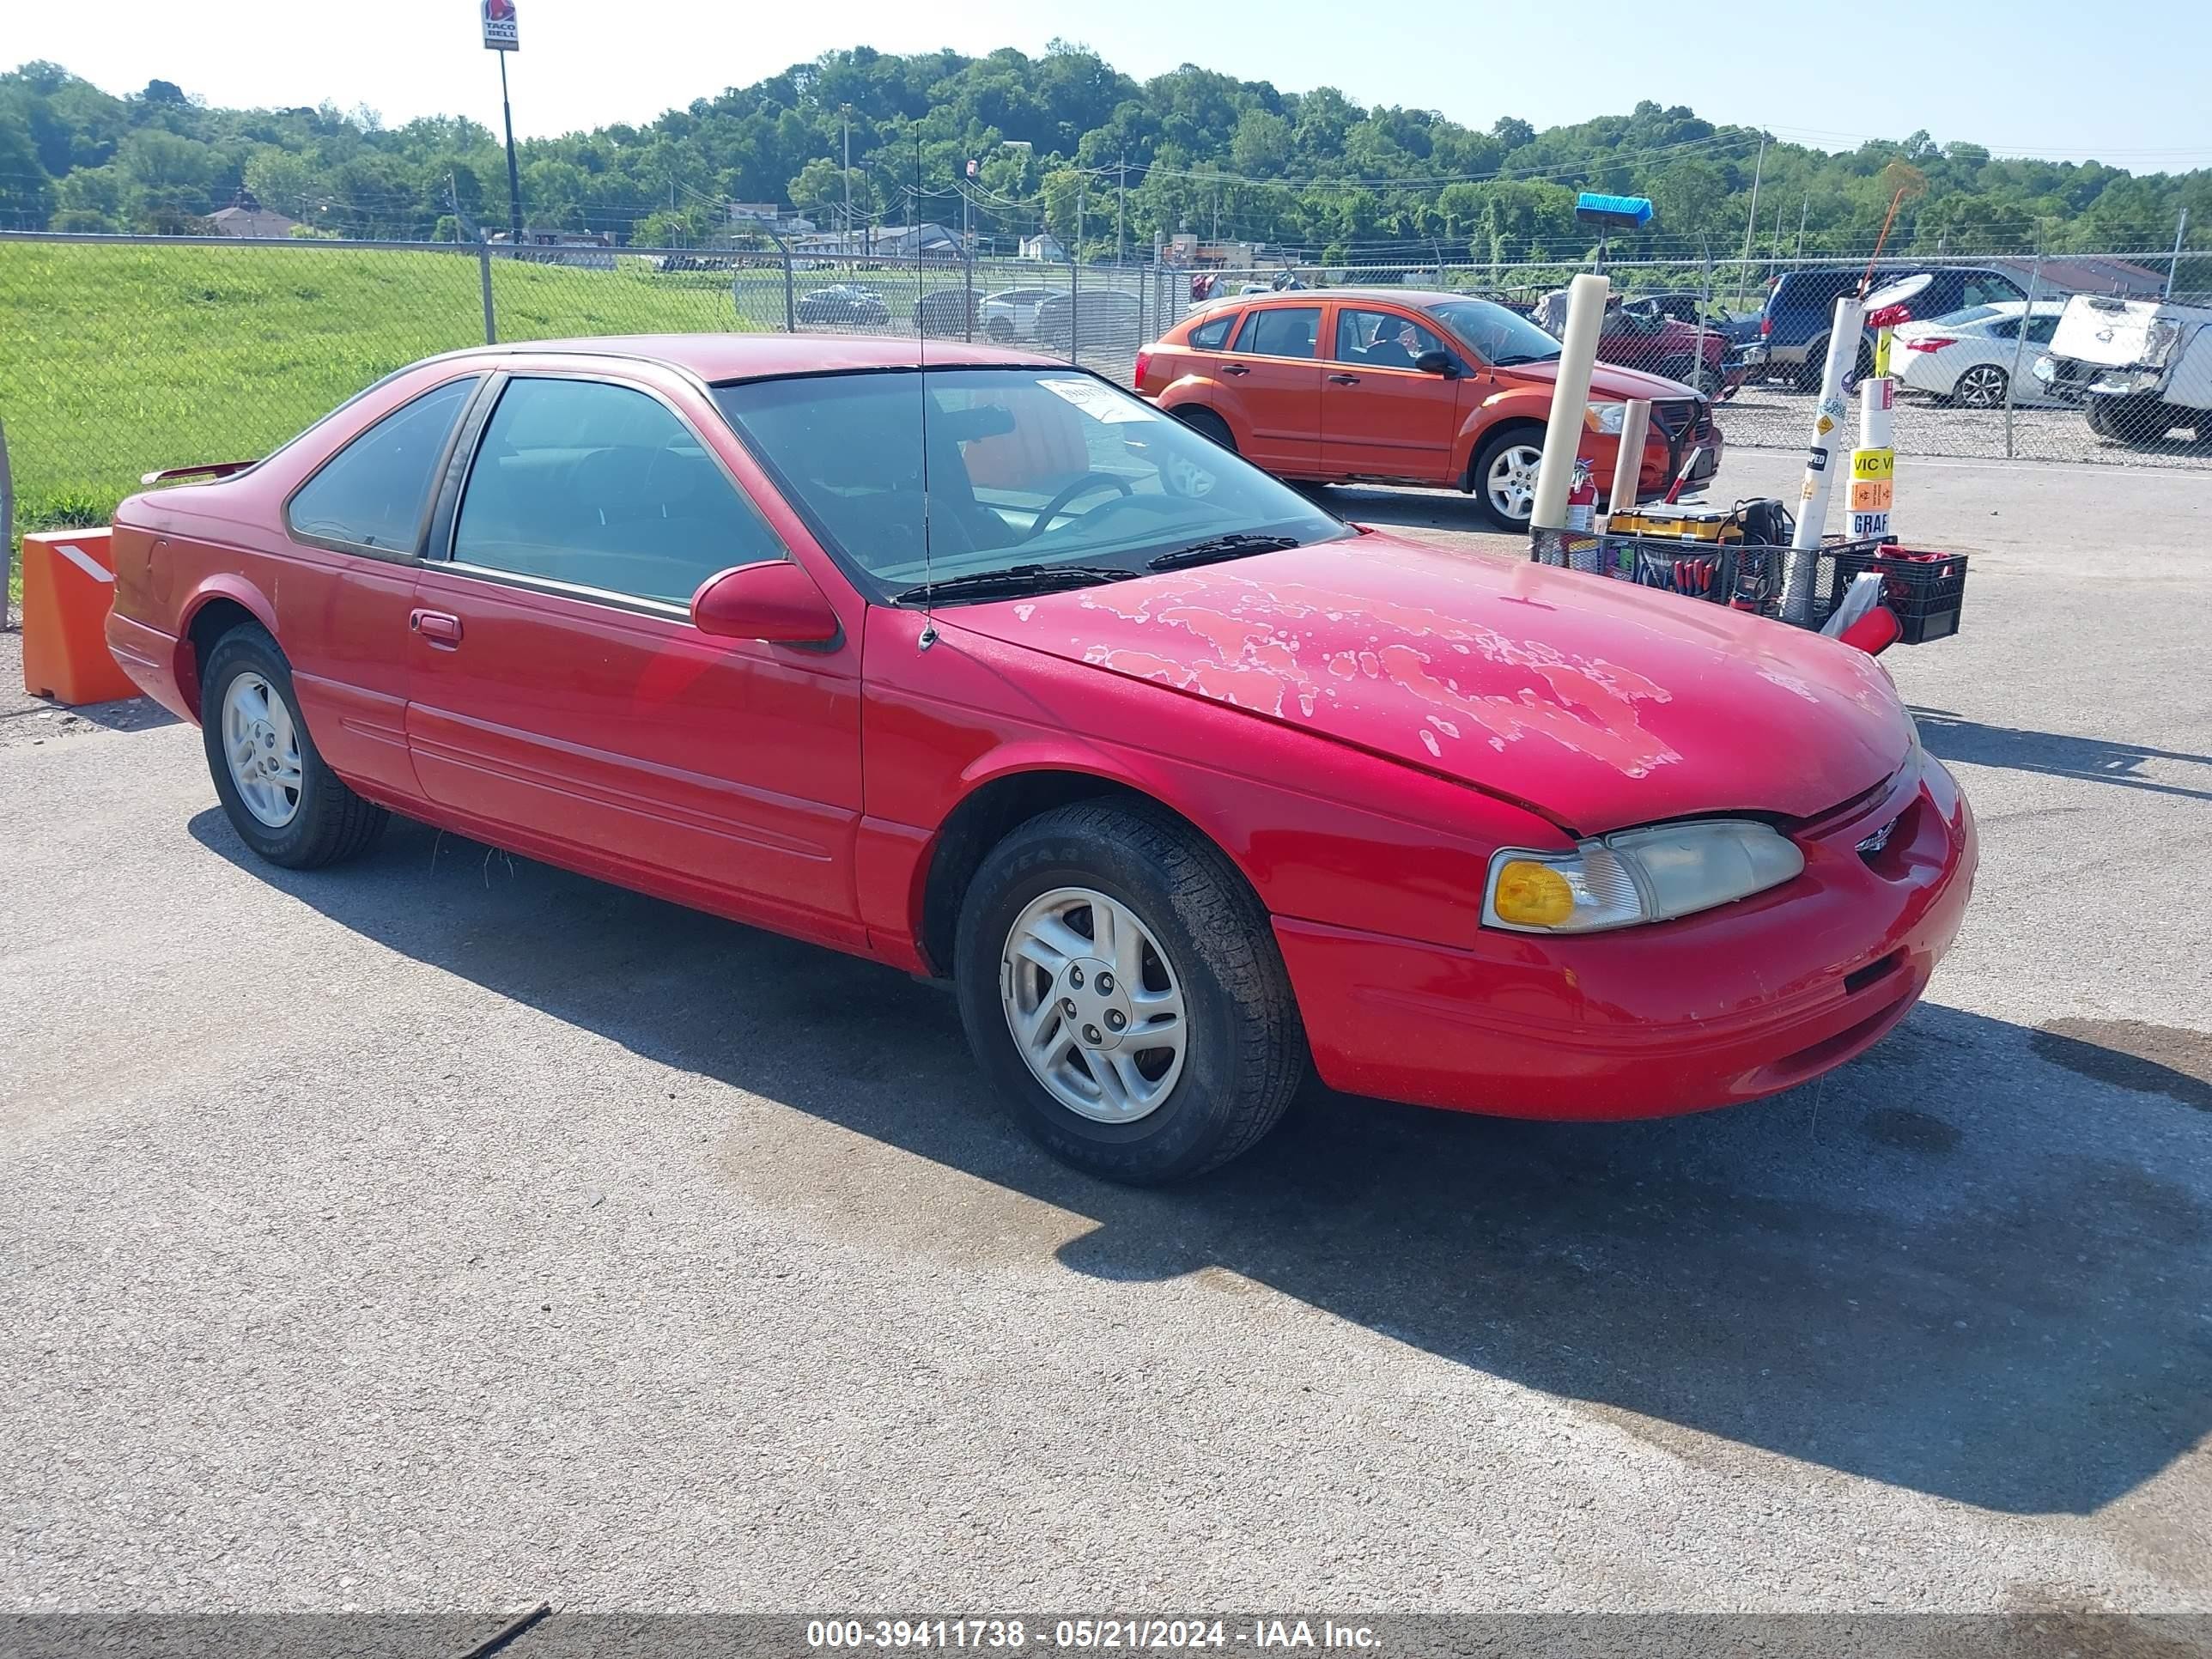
[1747, 1000]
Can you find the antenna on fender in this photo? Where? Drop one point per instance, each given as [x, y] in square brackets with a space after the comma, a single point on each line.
[928, 635]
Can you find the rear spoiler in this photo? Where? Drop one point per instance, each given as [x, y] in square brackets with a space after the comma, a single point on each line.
[210, 470]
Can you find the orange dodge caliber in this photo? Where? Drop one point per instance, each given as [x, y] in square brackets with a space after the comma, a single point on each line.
[1399, 386]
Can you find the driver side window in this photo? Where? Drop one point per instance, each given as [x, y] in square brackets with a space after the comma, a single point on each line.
[599, 486]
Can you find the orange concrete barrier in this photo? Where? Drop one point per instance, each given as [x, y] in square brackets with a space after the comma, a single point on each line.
[69, 584]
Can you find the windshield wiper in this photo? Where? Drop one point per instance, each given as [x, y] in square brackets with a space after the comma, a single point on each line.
[1515, 362]
[1015, 578]
[1219, 547]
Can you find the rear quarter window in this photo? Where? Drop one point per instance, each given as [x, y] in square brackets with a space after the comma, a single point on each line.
[1213, 334]
[374, 494]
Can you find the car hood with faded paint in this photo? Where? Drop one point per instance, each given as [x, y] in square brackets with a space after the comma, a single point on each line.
[1605, 705]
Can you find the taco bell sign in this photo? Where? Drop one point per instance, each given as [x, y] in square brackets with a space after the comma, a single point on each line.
[499, 34]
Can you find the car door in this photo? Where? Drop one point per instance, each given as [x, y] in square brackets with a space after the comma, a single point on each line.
[1381, 417]
[342, 617]
[1274, 367]
[560, 695]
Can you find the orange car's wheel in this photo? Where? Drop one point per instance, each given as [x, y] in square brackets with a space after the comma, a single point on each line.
[1503, 477]
[1198, 418]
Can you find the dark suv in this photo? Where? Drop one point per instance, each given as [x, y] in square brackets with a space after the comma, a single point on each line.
[1800, 305]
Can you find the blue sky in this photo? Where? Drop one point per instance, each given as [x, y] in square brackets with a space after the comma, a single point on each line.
[2043, 77]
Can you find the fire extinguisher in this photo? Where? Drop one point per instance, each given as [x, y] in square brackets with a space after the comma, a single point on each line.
[1582, 498]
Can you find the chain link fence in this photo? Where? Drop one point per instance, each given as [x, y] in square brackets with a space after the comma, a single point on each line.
[126, 355]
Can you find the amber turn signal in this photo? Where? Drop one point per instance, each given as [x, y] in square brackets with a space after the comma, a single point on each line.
[1531, 895]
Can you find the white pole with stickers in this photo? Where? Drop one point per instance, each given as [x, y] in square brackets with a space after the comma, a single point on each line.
[1874, 463]
[1821, 461]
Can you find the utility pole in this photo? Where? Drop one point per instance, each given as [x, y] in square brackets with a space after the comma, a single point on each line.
[1121, 212]
[1801, 213]
[849, 183]
[2180, 234]
[514, 177]
[1751, 219]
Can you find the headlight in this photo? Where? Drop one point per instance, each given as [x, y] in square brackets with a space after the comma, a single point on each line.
[1636, 876]
[2046, 369]
[1606, 417]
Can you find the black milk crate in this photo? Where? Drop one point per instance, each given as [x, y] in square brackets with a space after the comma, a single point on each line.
[1927, 591]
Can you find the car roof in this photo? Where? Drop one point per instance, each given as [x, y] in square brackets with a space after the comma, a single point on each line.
[1292, 296]
[714, 357]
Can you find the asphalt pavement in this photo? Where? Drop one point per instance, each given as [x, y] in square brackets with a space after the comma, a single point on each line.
[445, 1231]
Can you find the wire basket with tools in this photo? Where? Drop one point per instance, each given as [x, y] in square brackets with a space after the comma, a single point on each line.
[1741, 557]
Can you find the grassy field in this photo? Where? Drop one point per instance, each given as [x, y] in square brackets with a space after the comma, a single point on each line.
[115, 361]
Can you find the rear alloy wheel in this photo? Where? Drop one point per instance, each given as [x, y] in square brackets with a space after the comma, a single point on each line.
[1982, 386]
[1120, 983]
[285, 803]
[1505, 477]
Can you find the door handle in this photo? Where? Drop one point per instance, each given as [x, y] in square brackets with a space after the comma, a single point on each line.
[1234, 369]
[441, 629]
[1344, 379]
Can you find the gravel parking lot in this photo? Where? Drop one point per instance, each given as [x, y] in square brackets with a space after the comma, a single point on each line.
[445, 1231]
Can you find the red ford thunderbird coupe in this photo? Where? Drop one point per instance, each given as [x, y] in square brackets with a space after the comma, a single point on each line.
[991, 671]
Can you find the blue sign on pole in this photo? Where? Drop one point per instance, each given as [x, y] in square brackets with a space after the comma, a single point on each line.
[1614, 212]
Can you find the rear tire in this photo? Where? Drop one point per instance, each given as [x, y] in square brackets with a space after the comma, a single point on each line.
[1982, 386]
[282, 797]
[1201, 937]
[1200, 419]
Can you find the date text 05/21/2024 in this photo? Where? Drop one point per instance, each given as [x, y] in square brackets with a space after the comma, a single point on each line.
[1108, 1634]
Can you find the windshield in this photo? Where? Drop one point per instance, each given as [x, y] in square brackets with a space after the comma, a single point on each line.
[1494, 334]
[1027, 467]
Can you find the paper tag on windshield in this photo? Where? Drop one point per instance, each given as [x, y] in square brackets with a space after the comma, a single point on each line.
[1101, 403]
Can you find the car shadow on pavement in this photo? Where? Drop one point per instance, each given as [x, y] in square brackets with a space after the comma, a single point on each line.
[1961, 1265]
[2057, 754]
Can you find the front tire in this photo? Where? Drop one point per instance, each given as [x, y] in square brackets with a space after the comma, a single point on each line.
[1184, 1047]
[1503, 477]
[282, 797]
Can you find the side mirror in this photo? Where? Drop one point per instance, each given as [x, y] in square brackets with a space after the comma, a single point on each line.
[1437, 363]
[774, 601]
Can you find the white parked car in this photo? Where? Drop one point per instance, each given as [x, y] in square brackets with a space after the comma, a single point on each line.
[1968, 356]
[1011, 313]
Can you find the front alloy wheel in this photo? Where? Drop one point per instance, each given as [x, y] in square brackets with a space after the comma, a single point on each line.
[1120, 984]
[1508, 483]
[1093, 1005]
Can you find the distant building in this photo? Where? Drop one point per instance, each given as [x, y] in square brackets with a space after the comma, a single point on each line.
[1196, 252]
[1045, 246]
[924, 241]
[788, 220]
[2071, 273]
[245, 216]
[593, 249]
